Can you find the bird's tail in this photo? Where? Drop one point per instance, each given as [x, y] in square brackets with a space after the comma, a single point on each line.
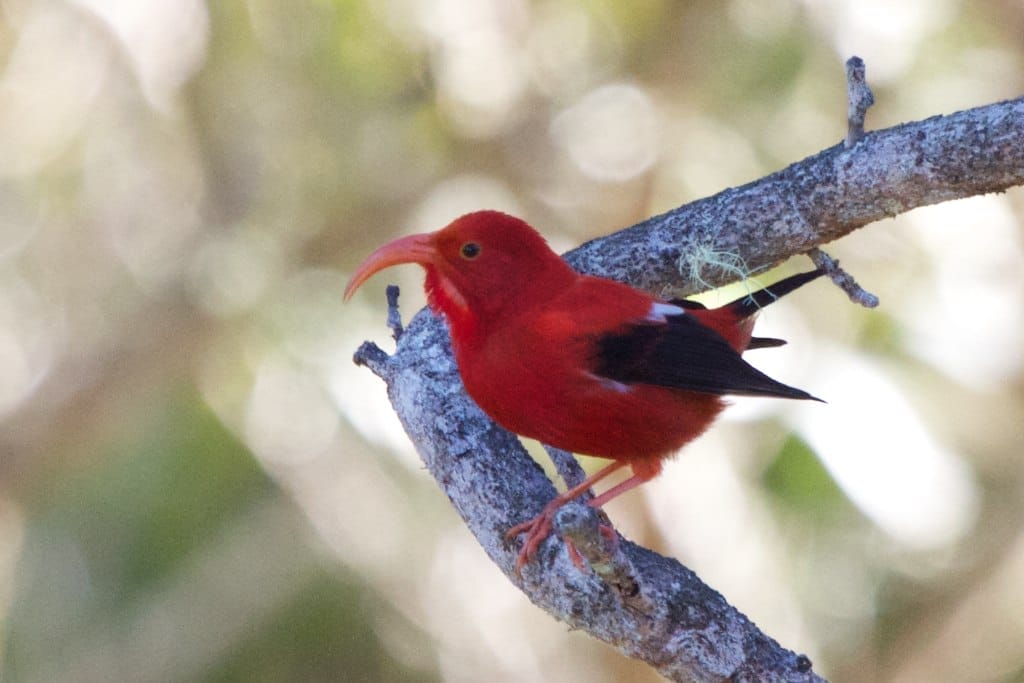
[735, 320]
[750, 304]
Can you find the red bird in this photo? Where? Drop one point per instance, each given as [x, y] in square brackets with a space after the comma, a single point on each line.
[589, 365]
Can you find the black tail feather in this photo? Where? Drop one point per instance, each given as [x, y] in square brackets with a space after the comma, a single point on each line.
[752, 303]
[764, 343]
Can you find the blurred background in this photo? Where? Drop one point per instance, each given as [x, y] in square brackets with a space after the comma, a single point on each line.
[196, 484]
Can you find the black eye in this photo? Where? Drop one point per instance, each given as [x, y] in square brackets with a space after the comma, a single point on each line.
[470, 250]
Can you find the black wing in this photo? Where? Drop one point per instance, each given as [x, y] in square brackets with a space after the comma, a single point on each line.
[681, 353]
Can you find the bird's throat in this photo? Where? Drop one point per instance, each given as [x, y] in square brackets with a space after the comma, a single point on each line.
[444, 298]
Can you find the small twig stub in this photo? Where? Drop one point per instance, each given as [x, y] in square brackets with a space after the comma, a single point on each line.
[394, 316]
[859, 99]
[842, 279]
[599, 545]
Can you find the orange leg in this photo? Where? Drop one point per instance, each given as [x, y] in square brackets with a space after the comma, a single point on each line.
[619, 489]
[538, 528]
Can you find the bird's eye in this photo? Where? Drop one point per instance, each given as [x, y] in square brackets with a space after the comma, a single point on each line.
[470, 250]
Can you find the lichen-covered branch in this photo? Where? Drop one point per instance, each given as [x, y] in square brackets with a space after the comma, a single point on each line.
[818, 200]
[656, 609]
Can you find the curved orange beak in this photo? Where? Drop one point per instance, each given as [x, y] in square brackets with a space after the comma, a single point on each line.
[412, 249]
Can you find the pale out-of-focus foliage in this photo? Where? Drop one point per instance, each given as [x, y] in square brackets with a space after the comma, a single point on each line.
[197, 484]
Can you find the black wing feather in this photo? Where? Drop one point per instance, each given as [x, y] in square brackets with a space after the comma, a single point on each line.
[683, 354]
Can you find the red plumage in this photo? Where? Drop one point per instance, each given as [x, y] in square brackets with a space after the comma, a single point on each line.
[582, 363]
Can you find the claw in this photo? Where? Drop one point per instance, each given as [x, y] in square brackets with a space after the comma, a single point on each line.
[574, 555]
[536, 529]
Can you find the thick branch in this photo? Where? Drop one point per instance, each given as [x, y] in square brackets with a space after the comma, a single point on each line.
[668, 617]
[817, 200]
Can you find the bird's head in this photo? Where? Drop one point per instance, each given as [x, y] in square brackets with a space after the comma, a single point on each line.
[477, 264]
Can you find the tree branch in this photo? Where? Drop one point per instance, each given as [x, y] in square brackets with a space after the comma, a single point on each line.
[658, 610]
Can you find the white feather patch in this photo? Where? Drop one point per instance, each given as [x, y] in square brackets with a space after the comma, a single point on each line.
[619, 387]
[616, 386]
[660, 311]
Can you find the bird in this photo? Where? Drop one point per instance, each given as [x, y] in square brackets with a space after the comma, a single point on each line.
[586, 364]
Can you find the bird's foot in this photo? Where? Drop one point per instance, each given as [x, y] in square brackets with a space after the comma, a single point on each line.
[536, 530]
[539, 528]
